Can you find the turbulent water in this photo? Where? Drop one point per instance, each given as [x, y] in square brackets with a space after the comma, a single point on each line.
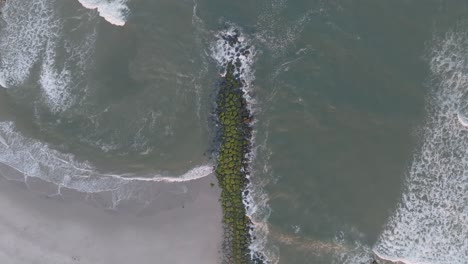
[48, 50]
[115, 12]
[360, 115]
[430, 226]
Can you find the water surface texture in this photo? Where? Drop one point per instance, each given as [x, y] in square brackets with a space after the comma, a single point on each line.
[360, 114]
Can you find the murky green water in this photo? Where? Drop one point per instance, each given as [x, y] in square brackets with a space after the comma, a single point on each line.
[342, 103]
[341, 89]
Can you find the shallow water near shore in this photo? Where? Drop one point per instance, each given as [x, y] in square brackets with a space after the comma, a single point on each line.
[345, 97]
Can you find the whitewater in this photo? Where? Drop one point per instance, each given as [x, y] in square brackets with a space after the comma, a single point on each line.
[35, 159]
[255, 200]
[33, 34]
[430, 226]
[113, 11]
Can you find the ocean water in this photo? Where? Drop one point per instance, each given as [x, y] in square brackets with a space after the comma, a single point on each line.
[360, 118]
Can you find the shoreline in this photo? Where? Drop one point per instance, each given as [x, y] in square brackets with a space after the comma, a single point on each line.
[378, 259]
[70, 230]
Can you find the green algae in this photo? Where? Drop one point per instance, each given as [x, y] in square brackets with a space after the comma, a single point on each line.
[232, 166]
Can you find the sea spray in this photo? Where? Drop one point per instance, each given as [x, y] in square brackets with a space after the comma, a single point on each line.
[430, 225]
[28, 27]
[234, 109]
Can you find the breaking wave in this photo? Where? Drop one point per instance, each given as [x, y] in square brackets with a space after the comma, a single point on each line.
[431, 223]
[33, 35]
[113, 11]
[34, 159]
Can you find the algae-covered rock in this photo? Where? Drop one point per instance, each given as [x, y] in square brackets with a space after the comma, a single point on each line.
[233, 117]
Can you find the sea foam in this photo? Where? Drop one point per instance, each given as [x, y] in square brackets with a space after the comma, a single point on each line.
[28, 26]
[35, 159]
[430, 225]
[34, 34]
[113, 11]
[255, 199]
[55, 83]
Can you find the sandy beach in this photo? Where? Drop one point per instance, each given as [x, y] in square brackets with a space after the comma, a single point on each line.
[41, 230]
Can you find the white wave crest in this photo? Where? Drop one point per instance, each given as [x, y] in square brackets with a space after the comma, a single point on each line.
[35, 159]
[56, 79]
[430, 226]
[55, 84]
[34, 34]
[113, 11]
[29, 25]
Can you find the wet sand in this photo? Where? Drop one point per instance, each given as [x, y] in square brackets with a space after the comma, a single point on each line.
[380, 260]
[35, 229]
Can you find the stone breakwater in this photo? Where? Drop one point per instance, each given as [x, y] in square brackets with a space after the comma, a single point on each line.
[234, 120]
[232, 170]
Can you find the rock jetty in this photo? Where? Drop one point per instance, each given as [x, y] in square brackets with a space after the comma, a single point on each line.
[234, 120]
